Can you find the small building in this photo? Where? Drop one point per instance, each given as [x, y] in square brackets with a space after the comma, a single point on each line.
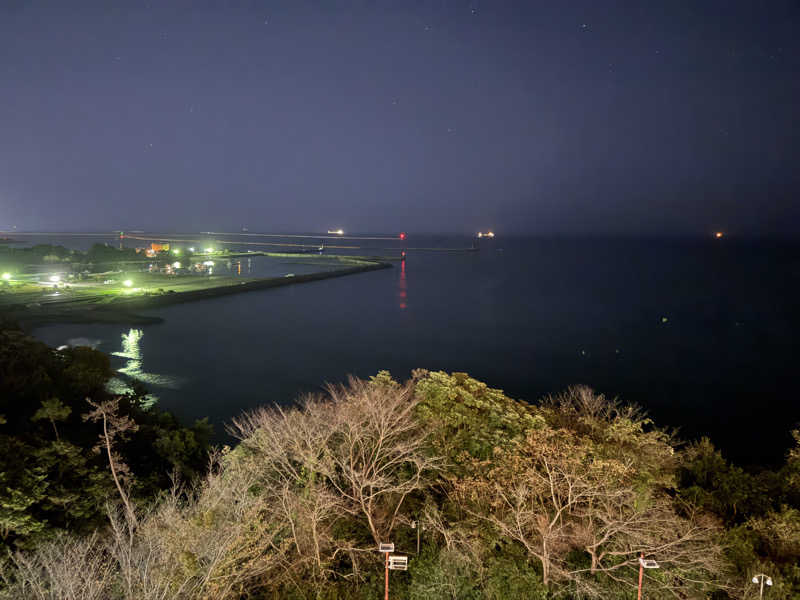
[156, 248]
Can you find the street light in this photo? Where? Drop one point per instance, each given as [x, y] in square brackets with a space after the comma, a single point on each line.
[761, 579]
[644, 563]
[386, 548]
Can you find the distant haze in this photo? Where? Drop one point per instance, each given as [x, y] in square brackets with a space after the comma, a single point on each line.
[625, 117]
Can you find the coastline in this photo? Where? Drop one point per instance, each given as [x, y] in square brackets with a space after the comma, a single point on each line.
[122, 309]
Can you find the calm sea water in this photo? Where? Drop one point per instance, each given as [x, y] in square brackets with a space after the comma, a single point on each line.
[702, 333]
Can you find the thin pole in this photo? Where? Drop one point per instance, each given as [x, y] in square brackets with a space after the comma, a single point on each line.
[761, 593]
[386, 594]
[641, 573]
[419, 526]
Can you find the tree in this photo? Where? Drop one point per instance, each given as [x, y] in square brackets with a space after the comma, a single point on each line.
[53, 410]
[562, 496]
[116, 427]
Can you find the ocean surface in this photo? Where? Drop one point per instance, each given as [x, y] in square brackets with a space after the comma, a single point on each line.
[702, 333]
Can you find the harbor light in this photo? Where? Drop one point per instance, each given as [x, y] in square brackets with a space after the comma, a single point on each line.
[6, 276]
[127, 283]
[55, 278]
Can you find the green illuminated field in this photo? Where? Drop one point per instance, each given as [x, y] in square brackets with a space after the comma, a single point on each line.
[112, 296]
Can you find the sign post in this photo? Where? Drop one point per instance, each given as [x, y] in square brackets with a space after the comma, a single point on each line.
[644, 563]
[386, 549]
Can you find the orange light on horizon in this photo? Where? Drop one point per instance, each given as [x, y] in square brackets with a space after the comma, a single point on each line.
[718, 235]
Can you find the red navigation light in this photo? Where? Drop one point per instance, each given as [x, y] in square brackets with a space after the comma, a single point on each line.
[403, 235]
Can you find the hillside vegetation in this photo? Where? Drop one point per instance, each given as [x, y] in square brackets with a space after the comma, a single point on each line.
[487, 496]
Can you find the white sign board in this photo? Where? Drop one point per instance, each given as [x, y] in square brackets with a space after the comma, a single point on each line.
[398, 563]
[385, 547]
[648, 563]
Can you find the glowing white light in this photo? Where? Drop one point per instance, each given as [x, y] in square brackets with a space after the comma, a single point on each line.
[176, 265]
[55, 278]
[191, 249]
[209, 250]
[127, 283]
[6, 276]
[209, 263]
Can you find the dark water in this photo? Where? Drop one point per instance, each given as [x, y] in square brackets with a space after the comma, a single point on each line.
[702, 333]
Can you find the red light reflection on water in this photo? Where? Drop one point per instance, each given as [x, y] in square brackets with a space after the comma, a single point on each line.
[402, 293]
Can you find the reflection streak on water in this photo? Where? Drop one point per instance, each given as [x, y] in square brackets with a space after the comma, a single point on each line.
[402, 286]
[131, 350]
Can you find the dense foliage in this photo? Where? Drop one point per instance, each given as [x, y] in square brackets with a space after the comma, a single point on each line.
[51, 478]
[489, 497]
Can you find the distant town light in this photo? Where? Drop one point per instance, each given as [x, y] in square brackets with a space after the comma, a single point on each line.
[176, 265]
[176, 252]
[718, 235]
[336, 231]
[127, 283]
[191, 249]
[209, 250]
[55, 278]
[6, 276]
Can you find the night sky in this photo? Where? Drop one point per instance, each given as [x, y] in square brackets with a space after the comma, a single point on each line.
[428, 116]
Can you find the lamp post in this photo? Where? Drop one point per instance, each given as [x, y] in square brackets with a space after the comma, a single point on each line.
[760, 580]
[386, 549]
[395, 562]
[644, 563]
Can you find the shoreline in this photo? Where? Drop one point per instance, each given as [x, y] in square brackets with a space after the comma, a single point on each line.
[121, 309]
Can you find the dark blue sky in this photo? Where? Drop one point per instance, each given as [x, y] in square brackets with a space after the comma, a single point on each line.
[657, 117]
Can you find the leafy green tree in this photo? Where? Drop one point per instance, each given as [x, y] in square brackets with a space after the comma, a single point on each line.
[53, 410]
[468, 418]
